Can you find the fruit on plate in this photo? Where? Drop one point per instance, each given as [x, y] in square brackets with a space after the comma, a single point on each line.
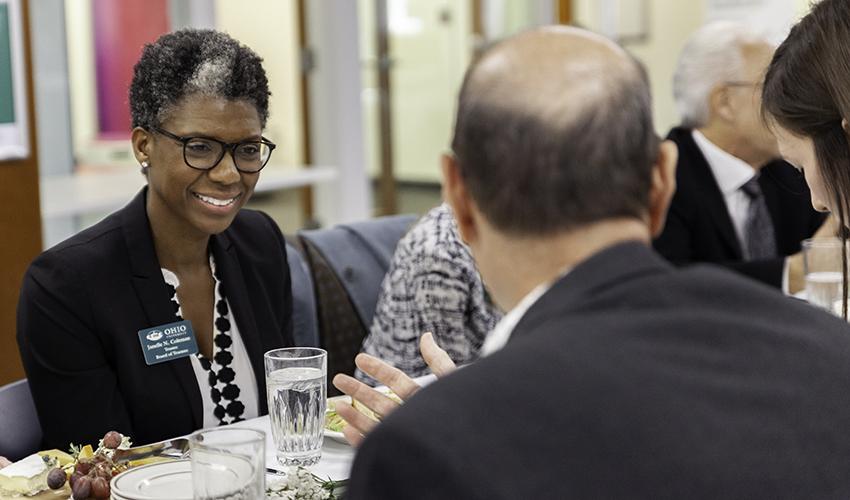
[90, 470]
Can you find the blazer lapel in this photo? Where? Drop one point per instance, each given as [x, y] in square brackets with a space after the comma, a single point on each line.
[153, 293]
[240, 302]
[705, 184]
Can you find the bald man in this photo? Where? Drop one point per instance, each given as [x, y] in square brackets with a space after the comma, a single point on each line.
[613, 375]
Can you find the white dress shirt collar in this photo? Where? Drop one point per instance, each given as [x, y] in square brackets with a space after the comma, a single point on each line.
[730, 171]
[501, 333]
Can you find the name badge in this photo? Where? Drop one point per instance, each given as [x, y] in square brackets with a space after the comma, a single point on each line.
[168, 342]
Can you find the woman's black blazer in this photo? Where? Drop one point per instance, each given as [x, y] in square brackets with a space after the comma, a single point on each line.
[83, 302]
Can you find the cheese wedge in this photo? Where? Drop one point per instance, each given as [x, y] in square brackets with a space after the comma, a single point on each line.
[61, 457]
[24, 477]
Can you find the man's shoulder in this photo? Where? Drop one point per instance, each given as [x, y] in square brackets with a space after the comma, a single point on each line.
[691, 166]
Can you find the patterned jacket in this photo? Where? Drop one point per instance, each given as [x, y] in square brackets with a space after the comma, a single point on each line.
[432, 286]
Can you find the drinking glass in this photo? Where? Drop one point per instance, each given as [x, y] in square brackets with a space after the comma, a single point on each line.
[296, 387]
[228, 464]
[822, 269]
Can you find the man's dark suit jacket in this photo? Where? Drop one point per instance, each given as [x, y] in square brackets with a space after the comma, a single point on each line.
[699, 228]
[83, 301]
[631, 379]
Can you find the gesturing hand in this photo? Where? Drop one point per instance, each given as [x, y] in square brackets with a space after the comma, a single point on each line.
[360, 424]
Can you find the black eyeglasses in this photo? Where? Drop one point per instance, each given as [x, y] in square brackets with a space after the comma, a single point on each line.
[204, 153]
[741, 83]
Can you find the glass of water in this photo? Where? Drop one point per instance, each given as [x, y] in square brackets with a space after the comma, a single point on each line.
[228, 464]
[822, 268]
[296, 386]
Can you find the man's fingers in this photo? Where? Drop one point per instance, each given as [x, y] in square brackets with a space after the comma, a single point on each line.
[352, 435]
[370, 398]
[390, 376]
[358, 423]
[437, 359]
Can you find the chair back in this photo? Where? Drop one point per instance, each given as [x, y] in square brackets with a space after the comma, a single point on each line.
[20, 431]
[305, 326]
[348, 264]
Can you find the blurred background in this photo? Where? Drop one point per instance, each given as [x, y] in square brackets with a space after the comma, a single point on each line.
[365, 87]
[363, 94]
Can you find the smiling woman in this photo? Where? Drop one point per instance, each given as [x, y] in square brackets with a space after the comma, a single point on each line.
[102, 314]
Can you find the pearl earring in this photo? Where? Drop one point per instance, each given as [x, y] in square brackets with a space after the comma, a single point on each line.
[145, 164]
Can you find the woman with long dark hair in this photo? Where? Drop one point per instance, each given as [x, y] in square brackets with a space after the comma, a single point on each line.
[806, 99]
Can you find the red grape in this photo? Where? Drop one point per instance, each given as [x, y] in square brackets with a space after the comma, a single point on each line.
[74, 477]
[103, 470]
[112, 440]
[83, 466]
[100, 488]
[82, 488]
[56, 478]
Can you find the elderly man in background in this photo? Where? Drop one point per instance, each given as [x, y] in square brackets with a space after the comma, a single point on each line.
[735, 204]
[613, 375]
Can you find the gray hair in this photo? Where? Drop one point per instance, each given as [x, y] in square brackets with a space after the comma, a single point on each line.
[712, 55]
[191, 61]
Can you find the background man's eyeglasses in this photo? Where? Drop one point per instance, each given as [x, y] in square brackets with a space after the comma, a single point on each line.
[204, 153]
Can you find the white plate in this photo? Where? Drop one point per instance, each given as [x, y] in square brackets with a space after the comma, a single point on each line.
[336, 436]
[160, 481]
[340, 437]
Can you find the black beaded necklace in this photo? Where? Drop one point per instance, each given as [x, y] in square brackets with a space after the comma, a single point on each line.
[224, 391]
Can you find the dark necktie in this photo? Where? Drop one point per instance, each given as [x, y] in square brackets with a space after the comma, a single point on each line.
[759, 238]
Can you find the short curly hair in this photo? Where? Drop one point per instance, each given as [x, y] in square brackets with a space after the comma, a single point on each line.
[191, 61]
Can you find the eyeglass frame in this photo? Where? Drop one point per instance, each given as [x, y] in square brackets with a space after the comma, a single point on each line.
[742, 83]
[225, 147]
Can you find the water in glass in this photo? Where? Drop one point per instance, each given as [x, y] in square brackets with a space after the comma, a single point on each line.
[824, 289]
[297, 401]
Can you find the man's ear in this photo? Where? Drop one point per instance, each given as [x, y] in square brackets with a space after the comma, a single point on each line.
[720, 104]
[457, 196]
[663, 186]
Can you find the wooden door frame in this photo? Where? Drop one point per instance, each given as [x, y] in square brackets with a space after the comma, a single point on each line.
[306, 192]
[386, 179]
[564, 14]
[20, 218]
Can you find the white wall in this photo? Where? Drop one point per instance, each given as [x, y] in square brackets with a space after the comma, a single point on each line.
[270, 28]
[670, 23]
[272, 35]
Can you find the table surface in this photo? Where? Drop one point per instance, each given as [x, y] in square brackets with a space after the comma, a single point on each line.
[336, 457]
[335, 463]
